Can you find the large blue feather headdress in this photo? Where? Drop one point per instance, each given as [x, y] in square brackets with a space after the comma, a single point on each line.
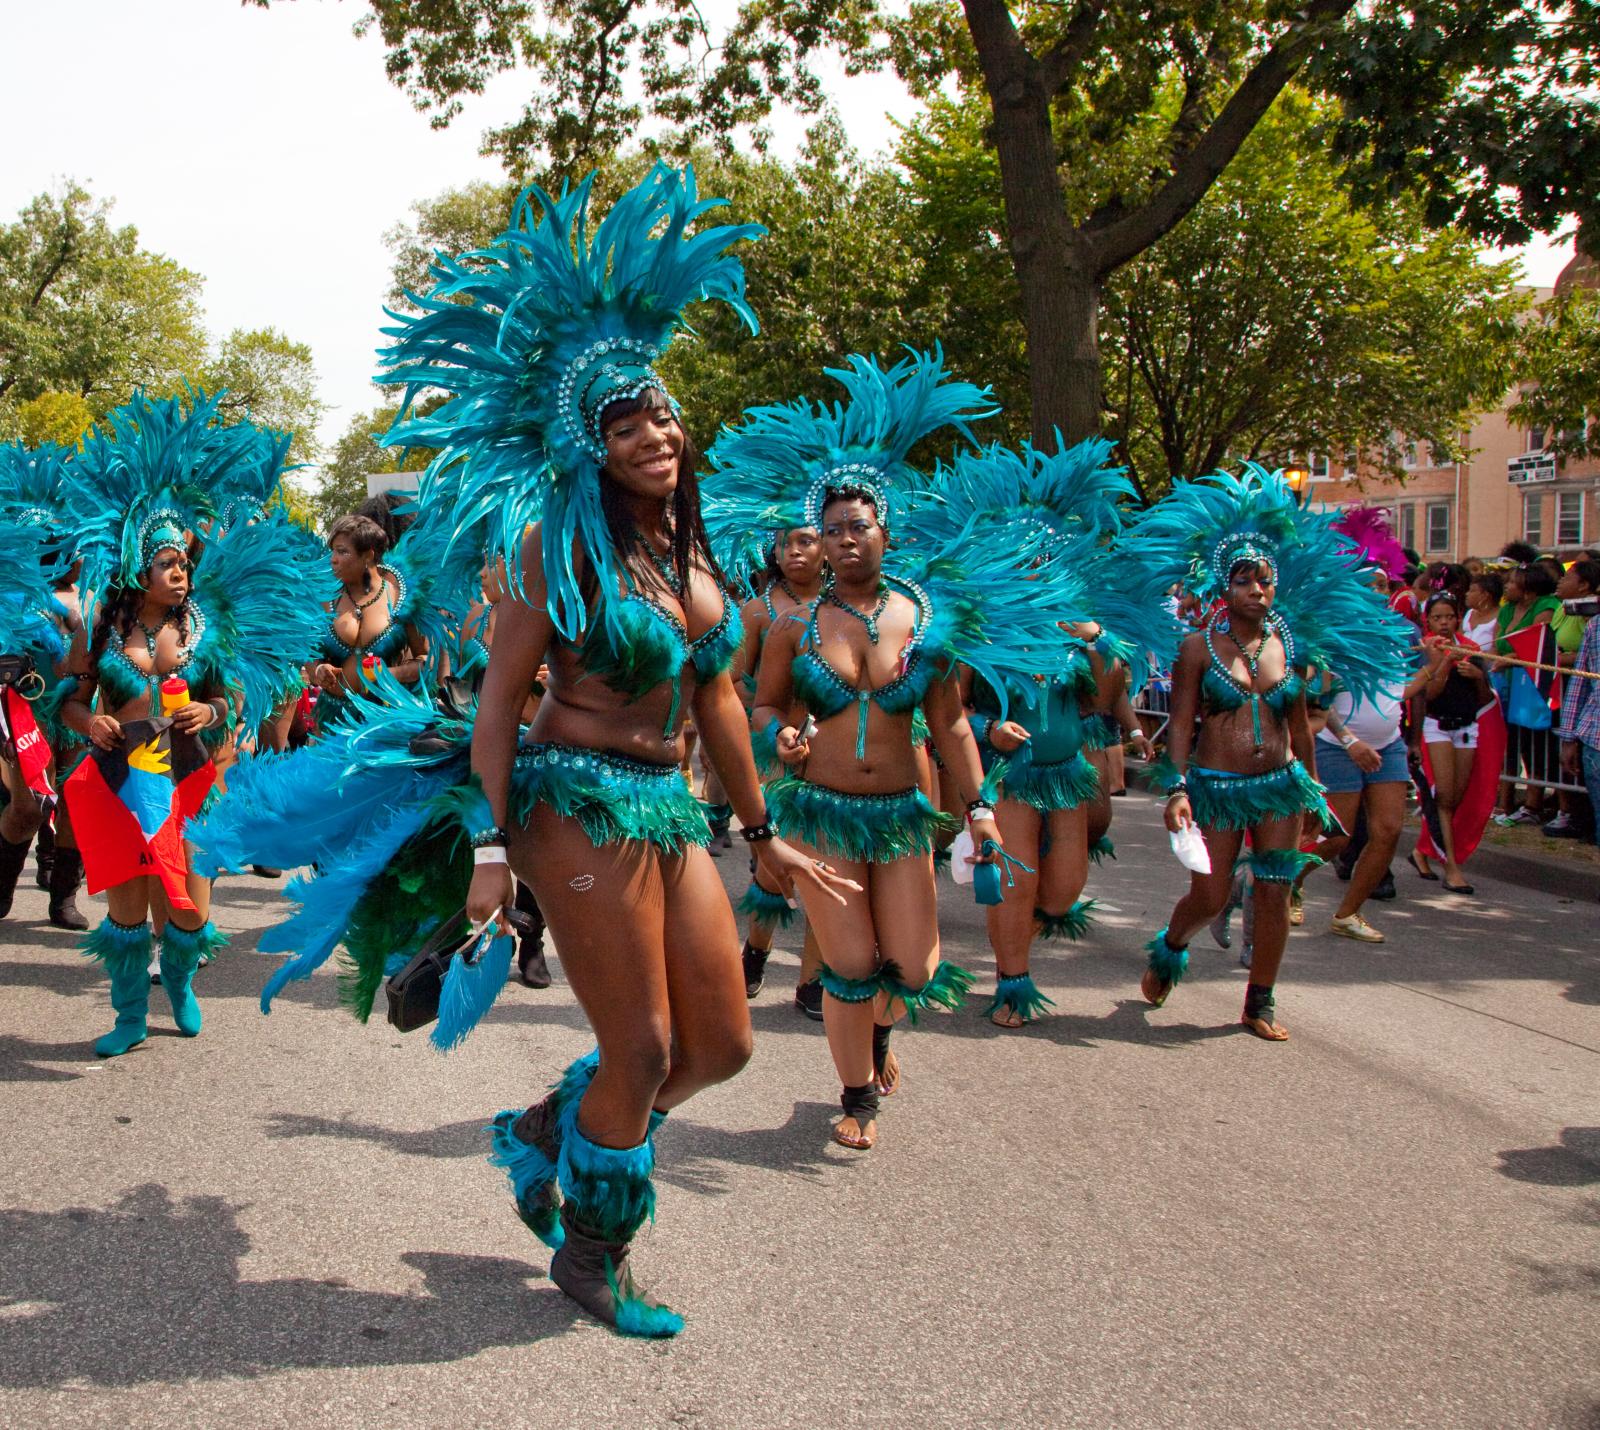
[33, 482]
[771, 471]
[1202, 530]
[1079, 501]
[531, 338]
[147, 478]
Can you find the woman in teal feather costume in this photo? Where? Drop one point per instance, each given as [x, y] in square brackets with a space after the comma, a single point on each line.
[177, 596]
[793, 579]
[960, 584]
[1293, 601]
[1041, 754]
[561, 451]
[39, 616]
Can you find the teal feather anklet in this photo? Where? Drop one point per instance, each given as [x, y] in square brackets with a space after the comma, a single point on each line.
[1021, 995]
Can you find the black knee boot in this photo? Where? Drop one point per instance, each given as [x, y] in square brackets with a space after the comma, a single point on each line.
[12, 858]
[531, 965]
[44, 853]
[66, 876]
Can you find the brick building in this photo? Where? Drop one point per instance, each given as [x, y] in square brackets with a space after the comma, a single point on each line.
[1508, 490]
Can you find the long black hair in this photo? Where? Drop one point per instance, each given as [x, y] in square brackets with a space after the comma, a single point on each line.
[688, 527]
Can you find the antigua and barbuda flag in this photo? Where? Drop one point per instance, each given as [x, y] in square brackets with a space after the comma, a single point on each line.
[129, 806]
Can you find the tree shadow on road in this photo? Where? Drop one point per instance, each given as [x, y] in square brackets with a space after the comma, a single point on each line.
[1574, 1163]
[150, 1290]
[456, 1139]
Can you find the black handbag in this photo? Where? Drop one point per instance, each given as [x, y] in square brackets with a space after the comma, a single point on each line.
[413, 993]
[14, 669]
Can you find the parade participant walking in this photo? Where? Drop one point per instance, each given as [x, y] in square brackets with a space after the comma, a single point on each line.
[792, 581]
[562, 454]
[174, 646]
[959, 584]
[1049, 786]
[1292, 600]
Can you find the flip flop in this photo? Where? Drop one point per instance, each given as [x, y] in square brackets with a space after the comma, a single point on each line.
[1462, 889]
[1422, 873]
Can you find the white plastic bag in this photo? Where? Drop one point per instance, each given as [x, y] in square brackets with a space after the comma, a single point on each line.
[1190, 847]
[960, 852]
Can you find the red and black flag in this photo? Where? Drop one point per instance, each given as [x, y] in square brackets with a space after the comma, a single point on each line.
[129, 806]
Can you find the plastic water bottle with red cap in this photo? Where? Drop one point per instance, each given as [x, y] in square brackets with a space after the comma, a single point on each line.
[174, 694]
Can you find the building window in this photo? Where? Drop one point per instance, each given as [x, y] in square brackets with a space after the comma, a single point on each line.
[1438, 526]
[1319, 467]
[1569, 518]
[1411, 455]
[1536, 439]
[1352, 460]
[1406, 529]
[1533, 519]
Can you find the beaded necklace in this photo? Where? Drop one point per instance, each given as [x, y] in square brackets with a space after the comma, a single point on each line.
[869, 620]
[177, 616]
[1273, 625]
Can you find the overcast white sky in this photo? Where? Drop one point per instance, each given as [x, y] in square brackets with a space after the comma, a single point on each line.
[267, 151]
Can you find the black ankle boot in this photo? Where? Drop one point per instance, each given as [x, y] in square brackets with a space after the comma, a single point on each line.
[44, 853]
[596, 1274]
[12, 858]
[532, 966]
[755, 968]
[66, 876]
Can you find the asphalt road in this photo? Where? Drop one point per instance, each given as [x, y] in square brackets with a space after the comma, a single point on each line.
[1118, 1217]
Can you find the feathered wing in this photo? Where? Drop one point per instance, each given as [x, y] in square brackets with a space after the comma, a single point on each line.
[765, 471]
[1368, 531]
[257, 587]
[373, 816]
[242, 465]
[504, 332]
[32, 559]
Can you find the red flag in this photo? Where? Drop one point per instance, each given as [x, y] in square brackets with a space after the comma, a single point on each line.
[21, 732]
[129, 806]
[1537, 645]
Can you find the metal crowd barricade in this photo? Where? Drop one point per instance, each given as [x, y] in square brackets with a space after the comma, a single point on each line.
[1533, 757]
[1154, 702]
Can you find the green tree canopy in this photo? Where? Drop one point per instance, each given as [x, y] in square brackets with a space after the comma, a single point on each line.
[85, 310]
[1488, 112]
[271, 379]
[1559, 360]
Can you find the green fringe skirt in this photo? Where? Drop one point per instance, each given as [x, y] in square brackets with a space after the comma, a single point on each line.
[613, 798]
[1222, 800]
[1065, 784]
[870, 828]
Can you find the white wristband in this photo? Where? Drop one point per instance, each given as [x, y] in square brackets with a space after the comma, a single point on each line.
[490, 854]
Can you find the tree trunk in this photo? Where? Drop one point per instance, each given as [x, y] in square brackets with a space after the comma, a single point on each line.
[1058, 281]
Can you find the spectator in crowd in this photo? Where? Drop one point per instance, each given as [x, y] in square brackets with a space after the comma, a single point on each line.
[1449, 577]
[1579, 582]
[1413, 591]
[1579, 726]
[1529, 599]
[1445, 720]
[1484, 594]
[1519, 553]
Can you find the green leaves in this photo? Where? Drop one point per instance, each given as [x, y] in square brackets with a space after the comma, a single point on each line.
[1560, 365]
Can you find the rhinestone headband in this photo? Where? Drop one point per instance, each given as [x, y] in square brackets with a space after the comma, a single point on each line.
[862, 475]
[611, 370]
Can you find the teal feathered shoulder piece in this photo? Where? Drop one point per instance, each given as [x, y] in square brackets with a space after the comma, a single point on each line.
[257, 585]
[1199, 531]
[249, 462]
[33, 482]
[769, 473]
[530, 338]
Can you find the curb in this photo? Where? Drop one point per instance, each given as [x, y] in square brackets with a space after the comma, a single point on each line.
[1566, 879]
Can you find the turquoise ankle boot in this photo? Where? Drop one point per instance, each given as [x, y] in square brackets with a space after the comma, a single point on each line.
[125, 951]
[181, 952]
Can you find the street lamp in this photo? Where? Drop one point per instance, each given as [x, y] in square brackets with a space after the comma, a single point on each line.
[1297, 477]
